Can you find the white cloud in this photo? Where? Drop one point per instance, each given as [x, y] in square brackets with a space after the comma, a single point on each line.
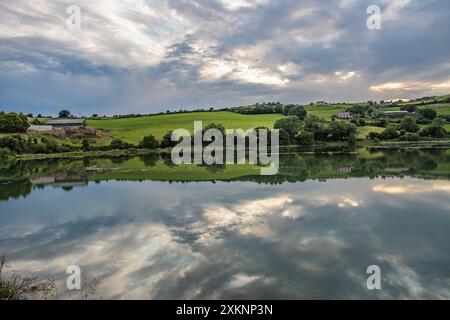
[233, 5]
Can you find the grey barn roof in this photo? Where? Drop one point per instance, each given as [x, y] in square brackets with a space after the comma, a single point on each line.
[65, 122]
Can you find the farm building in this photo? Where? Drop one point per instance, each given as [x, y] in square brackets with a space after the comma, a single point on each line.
[344, 115]
[396, 113]
[66, 123]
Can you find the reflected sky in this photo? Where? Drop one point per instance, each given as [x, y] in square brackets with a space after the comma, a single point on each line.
[237, 240]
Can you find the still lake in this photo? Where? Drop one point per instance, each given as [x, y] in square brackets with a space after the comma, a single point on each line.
[150, 230]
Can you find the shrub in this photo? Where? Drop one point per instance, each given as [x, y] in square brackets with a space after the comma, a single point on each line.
[389, 133]
[374, 135]
[16, 144]
[409, 124]
[434, 131]
[149, 142]
[410, 137]
[119, 144]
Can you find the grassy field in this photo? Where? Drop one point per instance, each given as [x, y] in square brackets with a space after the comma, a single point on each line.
[327, 111]
[363, 132]
[440, 108]
[133, 129]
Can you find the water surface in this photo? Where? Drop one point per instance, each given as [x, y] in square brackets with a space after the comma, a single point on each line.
[148, 230]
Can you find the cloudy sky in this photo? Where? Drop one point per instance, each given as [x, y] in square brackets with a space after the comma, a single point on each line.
[153, 55]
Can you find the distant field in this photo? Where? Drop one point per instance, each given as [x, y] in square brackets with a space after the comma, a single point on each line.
[133, 129]
[440, 108]
[326, 111]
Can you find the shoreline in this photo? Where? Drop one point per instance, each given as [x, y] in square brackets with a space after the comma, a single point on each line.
[440, 143]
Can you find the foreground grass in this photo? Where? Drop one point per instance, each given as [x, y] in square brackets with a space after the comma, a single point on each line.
[133, 129]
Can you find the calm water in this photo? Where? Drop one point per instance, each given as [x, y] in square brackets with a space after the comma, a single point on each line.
[309, 232]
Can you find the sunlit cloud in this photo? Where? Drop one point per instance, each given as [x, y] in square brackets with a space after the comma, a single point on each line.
[346, 75]
[233, 5]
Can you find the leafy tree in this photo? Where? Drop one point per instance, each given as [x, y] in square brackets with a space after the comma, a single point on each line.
[358, 109]
[304, 138]
[149, 142]
[434, 131]
[284, 137]
[287, 108]
[290, 124]
[409, 108]
[409, 124]
[64, 114]
[341, 131]
[297, 111]
[427, 113]
[389, 133]
[13, 122]
[317, 127]
[16, 144]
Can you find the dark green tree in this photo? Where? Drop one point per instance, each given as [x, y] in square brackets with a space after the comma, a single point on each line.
[409, 124]
[64, 114]
[297, 111]
[149, 142]
[427, 113]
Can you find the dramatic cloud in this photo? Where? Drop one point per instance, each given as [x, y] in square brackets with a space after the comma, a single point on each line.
[153, 55]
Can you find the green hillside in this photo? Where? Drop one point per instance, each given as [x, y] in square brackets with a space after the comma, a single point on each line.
[133, 129]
